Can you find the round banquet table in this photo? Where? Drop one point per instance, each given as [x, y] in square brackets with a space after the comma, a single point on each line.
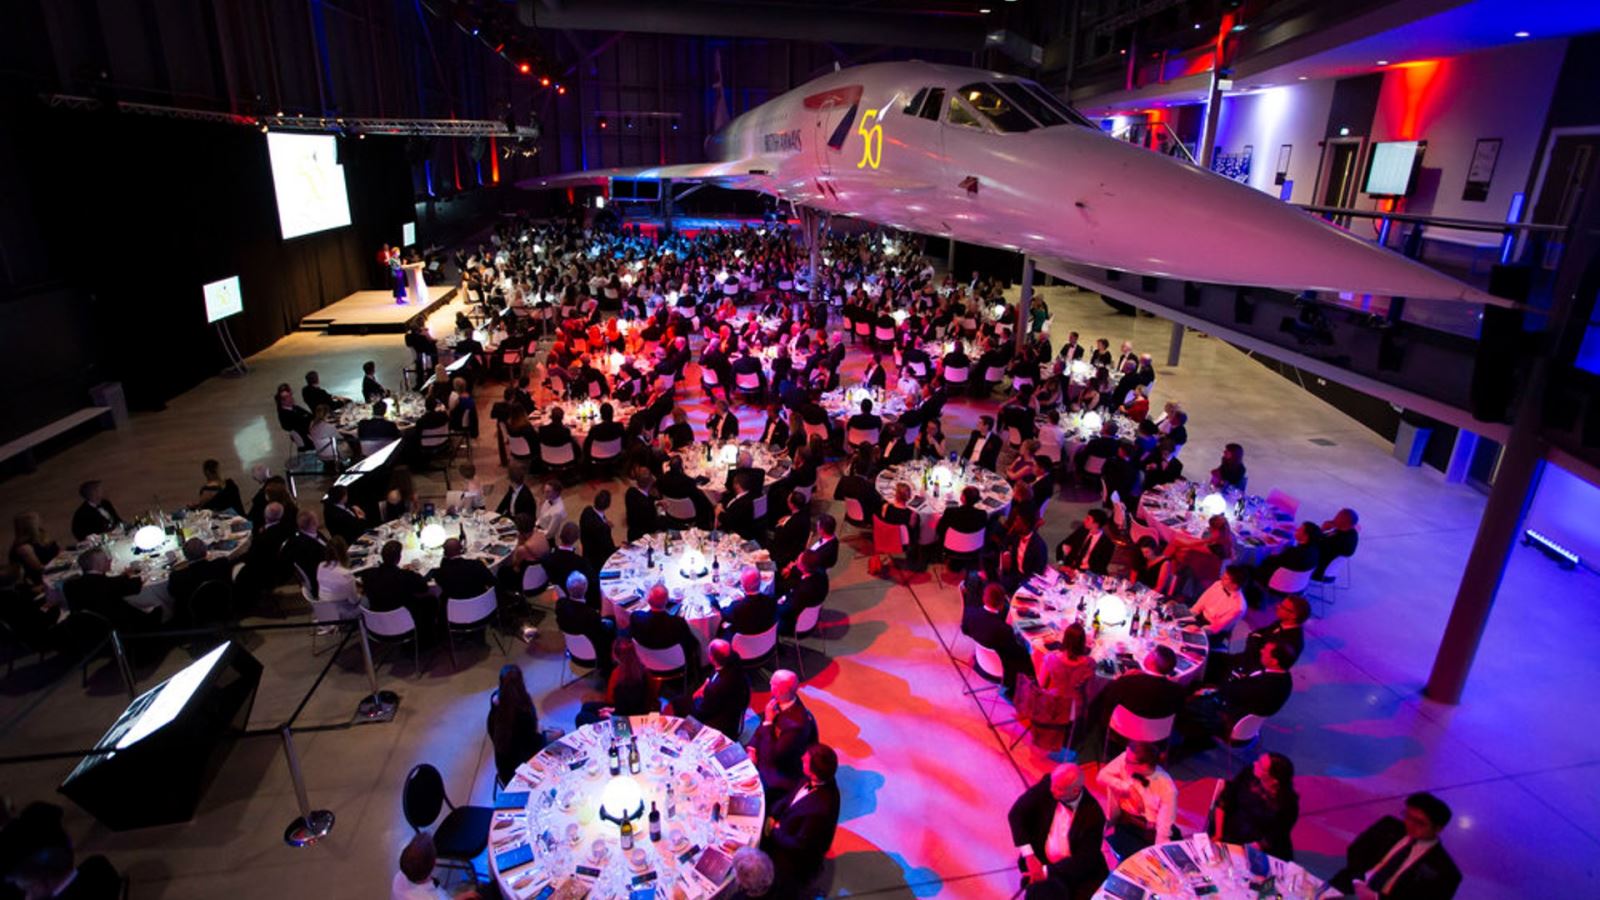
[581, 415]
[1198, 867]
[1046, 604]
[682, 561]
[1259, 532]
[549, 833]
[490, 538]
[1079, 428]
[937, 486]
[404, 410]
[724, 456]
[226, 537]
[845, 402]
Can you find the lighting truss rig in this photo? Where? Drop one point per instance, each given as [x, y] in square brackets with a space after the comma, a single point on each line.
[301, 122]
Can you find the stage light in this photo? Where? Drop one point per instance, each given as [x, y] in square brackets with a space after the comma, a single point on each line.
[524, 68]
[561, 90]
[1304, 77]
[1566, 558]
[984, 11]
[544, 81]
[603, 123]
[1521, 34]
[1383, 62]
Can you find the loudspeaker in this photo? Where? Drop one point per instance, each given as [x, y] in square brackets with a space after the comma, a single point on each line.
[1244, 312]
[1499, 344]
[1149, 283]
[1191, 294]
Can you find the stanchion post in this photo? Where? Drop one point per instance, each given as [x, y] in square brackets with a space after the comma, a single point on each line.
[379, 706]
[313, 824]
[125, 670]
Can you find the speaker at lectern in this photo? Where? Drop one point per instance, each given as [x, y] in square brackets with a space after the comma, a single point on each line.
[165, 747]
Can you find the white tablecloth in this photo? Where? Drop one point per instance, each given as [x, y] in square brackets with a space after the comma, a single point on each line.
[490, 538]
[682, 560]
[724, 455]
[404, 410]
[226, 537]
[846, 401]
[1260, 532]
[581, 415]
[1198, 867]
[937, 486]
[552, 809]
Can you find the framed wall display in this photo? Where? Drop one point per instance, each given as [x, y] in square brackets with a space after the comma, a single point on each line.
[1283, 163]
[1485, 153]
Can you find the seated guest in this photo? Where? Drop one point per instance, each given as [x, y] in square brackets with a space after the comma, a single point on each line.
[722, 425]
[1028, 551]
[264, 560]
[1057, 827]
[575, 616]
[565, 559]
[1402, 859]
[551, 515]
[723, 698]
[377, 428]
[775, 430]
[983, 445]
[1339, 538]
[787, 730]
[95, 515]
[1067, 670]
[97, 591]
[519, 496]
[335, 582]
[1089, 548]
[595, 531]
[753, 613]
[1230, 472]
[607, 429]
[1148, 692]
[296, 420]
[370, 388]
[987, 626]
[1202, 561]
[874, 375]
[1213, 711]
[31, 547]
[218, 494]
[1300, 556]
[27, 612]
[415, 881]
[865, 420]
[639, 506]
[1141, 800]
[555, 433]
[1162, 466]
[389, 587]
[894, 449]
[793, 530]
[315, 396]
[738, 514]
[196, 569]
[1258, 806]
[630, 691]
[303, 550]
[680, 432]
[1289, 630]
[753, 874]
[1221, 606]
[513, 724]
[657, 629]
[341, 519]
[675, 484]
[801, 824]
[461, 577]
[968, 518]
[809, 589]
[744, 466]
[825, 543]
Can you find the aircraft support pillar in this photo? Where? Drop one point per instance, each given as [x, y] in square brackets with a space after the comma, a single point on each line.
[1024, 302]
[809, 220]
[950, 261]
[1175, 346]
[1208, 132]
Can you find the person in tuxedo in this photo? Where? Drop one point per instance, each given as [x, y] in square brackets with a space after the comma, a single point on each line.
[986, 625]
[968, 518]
[790, 536]
[1071, 350]
[787, 730]
[594, 529]
[377, 428]
[1121, 474]
[303, 550]
[424, 348]
[809, 589]
[197, 569]
[97, 591]
[1148, 691]
[825, 542]
[95, 515]
[264, 560]
[722, 700]
[1141, 799]
[915, 359]
[1402, 859]
[801, 825]
[1161, 466]
[639, 506]
[575, 616]
[1300, 556]
[656, 629]
[1089, 548]
[1339, 538]
[983, 445]
[518, 499]
[680, 432]
[738, 515]
[458, 576]
[1212, 711]
[677, 485]
[775, 431]
[745, 467]
[314, 395]
[341, 519]
[722, 425]
[555, 433]
[748, 365]
[894, 449]
[1289, 630]
[1056, 826]
[875, 376]
[1028, 550]
[371, 390]
[607, 429]
[389, 587]
[753, 613]
[551, 516]
[565, 559]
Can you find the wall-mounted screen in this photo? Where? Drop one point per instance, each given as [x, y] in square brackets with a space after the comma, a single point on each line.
[408, 234]
[223, 299]
[1393, 167]
[309, 182]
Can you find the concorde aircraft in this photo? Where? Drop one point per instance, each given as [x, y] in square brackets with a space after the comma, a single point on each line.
[997, 160]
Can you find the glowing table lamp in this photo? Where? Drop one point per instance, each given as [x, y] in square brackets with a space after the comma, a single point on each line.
[621, 800]
[148, 538]
[1213, 505]
[433, 536]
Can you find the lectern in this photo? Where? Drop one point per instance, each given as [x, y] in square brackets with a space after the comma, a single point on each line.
[416, 288]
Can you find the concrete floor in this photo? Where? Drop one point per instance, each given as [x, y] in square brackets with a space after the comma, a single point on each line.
[926, 780]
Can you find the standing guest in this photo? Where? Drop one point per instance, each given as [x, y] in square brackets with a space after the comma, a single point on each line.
[1230, 472]
[1141, 800]
[723, 698]
[370, 388]
[513, 724]
[218, 494]
[460, 577]
[415, 881]
[801, 825]
[95, 515]
[519, 497]
[552, 512]
[1402, 859]
[1057, 826]
[1340, 535]
[595, 531]
[987, 626]
[1259, 806]
[787, 730]
[639, 506]
[31, 547]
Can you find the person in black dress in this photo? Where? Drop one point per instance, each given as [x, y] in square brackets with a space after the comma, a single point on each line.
[513, 724]
[1258, 806]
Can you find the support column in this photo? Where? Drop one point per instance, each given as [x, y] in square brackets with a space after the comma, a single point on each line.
[1175, 345]
[1024, 302]
[950, 262]
[809, 221]
[1461, 454]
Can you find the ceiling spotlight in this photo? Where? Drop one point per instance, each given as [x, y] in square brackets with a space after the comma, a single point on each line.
[1521, 34]
[1304, 77]
[544, 81]
[1197, 26]
[1383, 62]
[561, 90]
[984, 10]
[524, 68]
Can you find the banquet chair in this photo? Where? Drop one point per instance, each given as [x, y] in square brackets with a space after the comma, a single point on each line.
[1283, 502]
[580, 654]
[1242, 736]
[461, 835]
[889, 541]
[955, 375]
[596, 391]
[992, 376]
[1288, 581]
[605, 454]
[370, 447]
[394, 627]
[517, 446]
[470, 615]
[679, 510]
[760, 504]
[806, 624]
[436, 450]
[962, 547]
[969, 326]
[884, 334]
[854, 514]
[757, 651]
[859, 436]
[709, 382]
[1039, 710]
[663, 665]
[329, 616]
[558, 458]
[1338, 572]
[863, 329]
[918, 370]
[817, 431]
[748, 383]
[1019, 382]
[1132, 727]
[986, 664]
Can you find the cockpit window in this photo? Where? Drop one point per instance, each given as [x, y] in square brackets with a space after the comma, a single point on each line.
[997, 109]
[913, 107]
[930, 109]
[1036, 109]
[958, 114]
[1056, 103]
